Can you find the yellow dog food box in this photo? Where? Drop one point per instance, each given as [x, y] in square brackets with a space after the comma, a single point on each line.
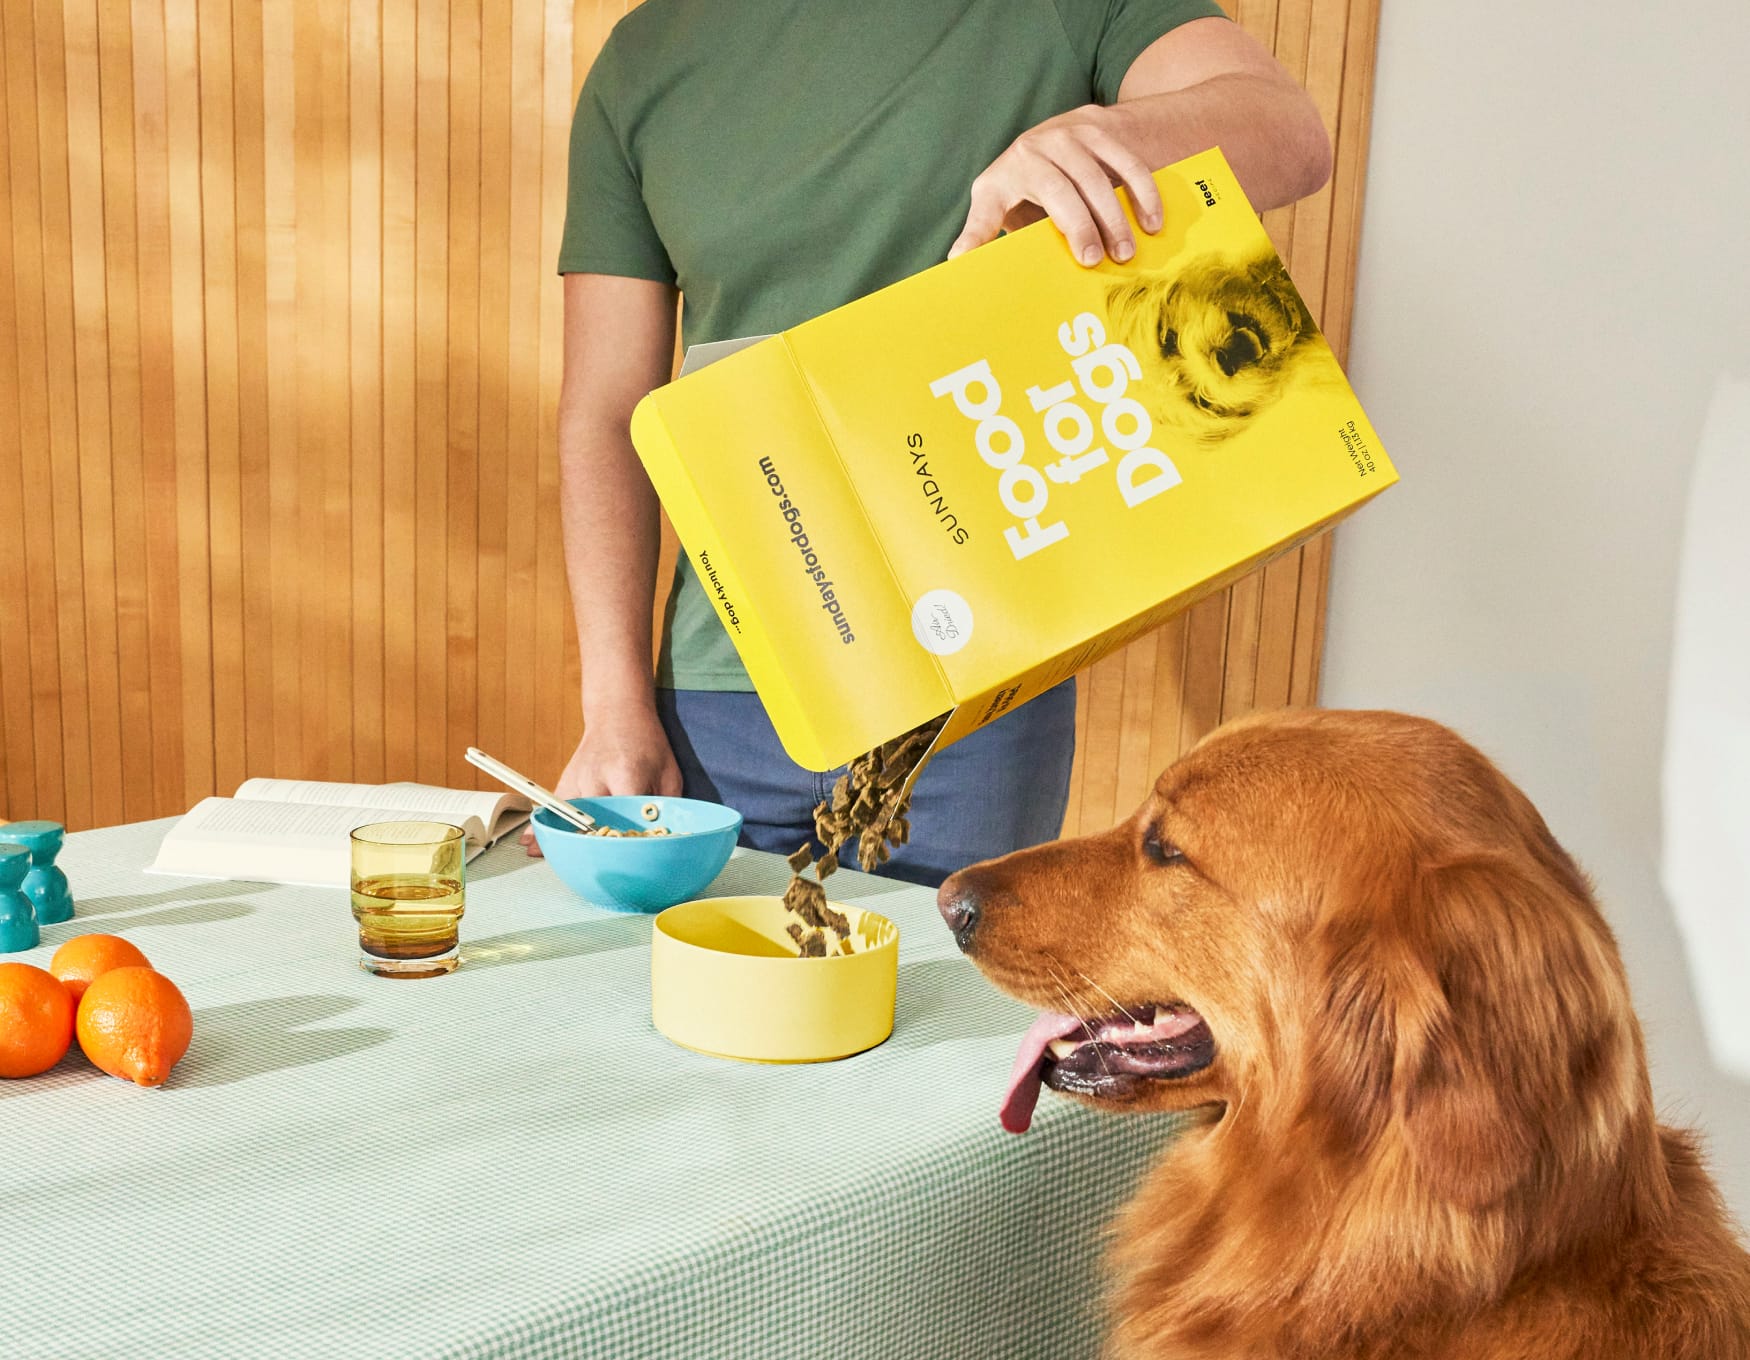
[958, 491]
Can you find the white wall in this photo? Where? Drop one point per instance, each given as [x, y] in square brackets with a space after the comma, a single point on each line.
[1554, 280]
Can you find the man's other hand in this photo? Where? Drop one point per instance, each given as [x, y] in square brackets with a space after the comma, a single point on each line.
[622, 752]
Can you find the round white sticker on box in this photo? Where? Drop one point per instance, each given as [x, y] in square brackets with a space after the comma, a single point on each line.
[942, 622]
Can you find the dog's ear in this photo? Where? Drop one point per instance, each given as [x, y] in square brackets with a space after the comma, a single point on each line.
[1454, 1014]
[1511, 1008]
[1356, 1034]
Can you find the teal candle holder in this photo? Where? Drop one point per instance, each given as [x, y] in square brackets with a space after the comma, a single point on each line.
[45, 885]
[17, 917]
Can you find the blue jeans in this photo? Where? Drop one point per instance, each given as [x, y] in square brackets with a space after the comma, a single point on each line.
[1003, 788]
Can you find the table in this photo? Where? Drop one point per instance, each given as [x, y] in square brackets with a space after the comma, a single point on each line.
[511, 1162]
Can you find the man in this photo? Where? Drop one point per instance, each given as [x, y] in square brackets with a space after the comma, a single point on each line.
[773, 159]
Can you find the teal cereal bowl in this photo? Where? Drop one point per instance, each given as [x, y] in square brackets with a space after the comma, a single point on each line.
[640, 873]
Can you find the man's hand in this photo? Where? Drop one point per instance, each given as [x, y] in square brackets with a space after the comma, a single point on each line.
[1206, 83]
[623, 751]
[1066, 169]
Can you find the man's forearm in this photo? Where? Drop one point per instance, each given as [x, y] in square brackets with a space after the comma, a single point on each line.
[612, 535]
[1268, 129]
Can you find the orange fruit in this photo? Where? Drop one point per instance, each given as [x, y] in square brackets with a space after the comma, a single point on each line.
[85, 958]
[134, 1023]
[36, 1020]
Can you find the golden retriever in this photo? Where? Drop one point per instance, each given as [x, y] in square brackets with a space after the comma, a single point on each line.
[1422, 1121]
[1220, 340]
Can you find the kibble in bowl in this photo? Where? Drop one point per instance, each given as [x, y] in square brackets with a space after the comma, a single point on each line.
[635, 861]
[725, 980]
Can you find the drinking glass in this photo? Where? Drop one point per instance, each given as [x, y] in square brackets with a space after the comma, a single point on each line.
[407, 897]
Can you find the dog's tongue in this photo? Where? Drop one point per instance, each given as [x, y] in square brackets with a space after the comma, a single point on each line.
[1017, 1113]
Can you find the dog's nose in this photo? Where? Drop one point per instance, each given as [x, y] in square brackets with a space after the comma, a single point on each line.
[959, 907]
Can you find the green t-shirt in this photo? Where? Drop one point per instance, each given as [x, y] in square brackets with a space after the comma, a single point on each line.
[778, 158]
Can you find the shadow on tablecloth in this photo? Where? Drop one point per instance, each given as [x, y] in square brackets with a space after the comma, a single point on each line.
[600, 935]
[248, 1038]
[193, 892]
[205, 913]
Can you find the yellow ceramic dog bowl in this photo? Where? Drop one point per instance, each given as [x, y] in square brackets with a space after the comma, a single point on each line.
[725, 980]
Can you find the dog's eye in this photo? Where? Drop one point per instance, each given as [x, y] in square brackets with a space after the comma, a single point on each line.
[1161, 852]
[1169, 344]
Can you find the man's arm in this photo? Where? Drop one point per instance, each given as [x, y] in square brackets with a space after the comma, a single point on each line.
[619, 344]
[1207, 83]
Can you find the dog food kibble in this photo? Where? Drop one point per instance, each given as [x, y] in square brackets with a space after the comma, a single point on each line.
[868, 805]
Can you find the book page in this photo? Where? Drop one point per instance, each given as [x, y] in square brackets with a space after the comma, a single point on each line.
[495, 813]
[307, 791]
[265, 842]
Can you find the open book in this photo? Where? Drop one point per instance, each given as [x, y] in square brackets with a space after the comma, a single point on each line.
[297, 830]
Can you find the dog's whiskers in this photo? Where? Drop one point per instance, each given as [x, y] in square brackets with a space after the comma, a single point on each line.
[1070, 1007]
[1061, 983]
[1135, 1020]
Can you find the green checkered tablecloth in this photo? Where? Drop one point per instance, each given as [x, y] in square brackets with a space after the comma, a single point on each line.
[511, 1162]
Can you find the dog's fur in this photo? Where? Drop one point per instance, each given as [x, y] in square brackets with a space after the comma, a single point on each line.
[1427, 1130]
[1220, 340]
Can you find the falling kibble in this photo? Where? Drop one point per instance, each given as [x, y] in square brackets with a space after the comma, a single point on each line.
[868, 805]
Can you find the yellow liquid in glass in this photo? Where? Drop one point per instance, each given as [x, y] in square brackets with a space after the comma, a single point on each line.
[407, 923]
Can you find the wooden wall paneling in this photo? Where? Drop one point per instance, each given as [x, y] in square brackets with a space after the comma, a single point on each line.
[1353, 119]
[1269, 674]
[431, 398]
[188, 398]
[17, 757]
[225, 487]
[399, 375]
[285, 582]
[96, 506]
[1202, 683]
[1273, 657]
[255, 584]
[1136, 771]
[496, 137]
[462, 424]
[1353, 105]
[123, 454]
[526, 272]
[48, 705]
[315, 388]
[333, 710]
[1245, 617]
[1166, 739]
[188, 395]
[1282, 25]
[363, 306]
[158, 441]
[63, 505]
[1101, 689]
[1260, 639]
